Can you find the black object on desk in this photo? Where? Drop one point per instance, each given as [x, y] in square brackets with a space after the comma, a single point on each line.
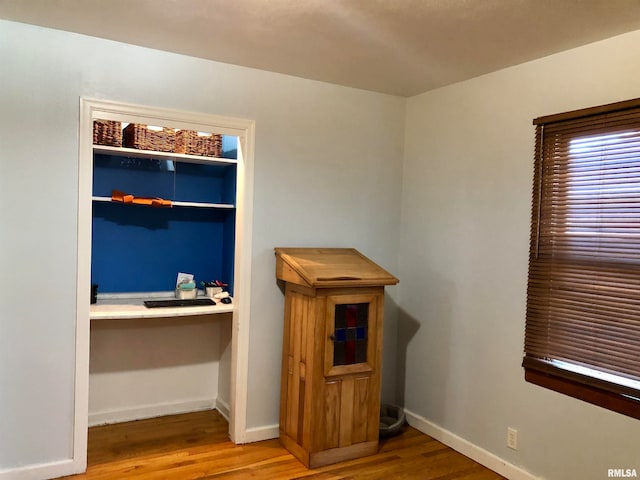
[190, 302]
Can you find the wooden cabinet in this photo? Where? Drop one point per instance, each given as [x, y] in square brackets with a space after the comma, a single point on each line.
[332, 349]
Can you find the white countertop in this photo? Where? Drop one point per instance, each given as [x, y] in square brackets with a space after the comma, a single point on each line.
[129, 306]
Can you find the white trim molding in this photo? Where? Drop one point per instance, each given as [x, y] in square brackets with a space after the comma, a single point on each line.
[257, 434]
[150, 411]
[468, 449]
[43, 470]
[223, 408]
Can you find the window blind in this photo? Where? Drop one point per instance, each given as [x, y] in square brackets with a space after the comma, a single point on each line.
[583, 300]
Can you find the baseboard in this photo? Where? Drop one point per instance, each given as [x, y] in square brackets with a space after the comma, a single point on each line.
[258, 434]
[150, 411]
[224, 408]
[42, 471]
[468, 449]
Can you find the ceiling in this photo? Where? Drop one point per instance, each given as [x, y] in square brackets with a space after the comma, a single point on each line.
[400, 47]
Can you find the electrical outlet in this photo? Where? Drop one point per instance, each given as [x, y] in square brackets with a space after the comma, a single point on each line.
[512, 438]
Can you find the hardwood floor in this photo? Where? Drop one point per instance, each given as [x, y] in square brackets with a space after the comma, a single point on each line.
[196, 446]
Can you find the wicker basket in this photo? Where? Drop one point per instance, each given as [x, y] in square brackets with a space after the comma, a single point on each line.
[194, 143]
[140, 136]
[107, 132]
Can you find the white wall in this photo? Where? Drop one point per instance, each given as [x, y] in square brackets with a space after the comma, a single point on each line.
[328, 163]
[147, 367]
[463, 262]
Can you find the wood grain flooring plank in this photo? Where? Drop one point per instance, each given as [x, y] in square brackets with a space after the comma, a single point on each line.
[196, 446]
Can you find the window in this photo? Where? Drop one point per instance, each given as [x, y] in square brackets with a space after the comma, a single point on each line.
[583, 299]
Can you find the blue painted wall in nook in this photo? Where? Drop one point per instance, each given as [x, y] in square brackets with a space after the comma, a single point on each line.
[138, 248]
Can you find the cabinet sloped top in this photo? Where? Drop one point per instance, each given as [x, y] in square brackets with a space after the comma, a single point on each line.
[329, 267]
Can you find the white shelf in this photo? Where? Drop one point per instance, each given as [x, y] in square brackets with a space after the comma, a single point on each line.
[152, 155]
[128, 307]
[176, 204]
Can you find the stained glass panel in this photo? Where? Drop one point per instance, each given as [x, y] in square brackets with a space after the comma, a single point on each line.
[350, 333]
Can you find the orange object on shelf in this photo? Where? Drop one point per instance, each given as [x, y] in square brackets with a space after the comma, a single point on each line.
[118, 196]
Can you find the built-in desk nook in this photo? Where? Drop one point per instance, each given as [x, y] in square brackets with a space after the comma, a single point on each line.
[133, 307]
[159, 201]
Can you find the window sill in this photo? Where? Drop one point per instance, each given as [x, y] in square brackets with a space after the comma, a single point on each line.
[612, 401]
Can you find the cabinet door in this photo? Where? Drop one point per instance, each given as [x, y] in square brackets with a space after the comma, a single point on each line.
[352, 323]
[351, 370]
